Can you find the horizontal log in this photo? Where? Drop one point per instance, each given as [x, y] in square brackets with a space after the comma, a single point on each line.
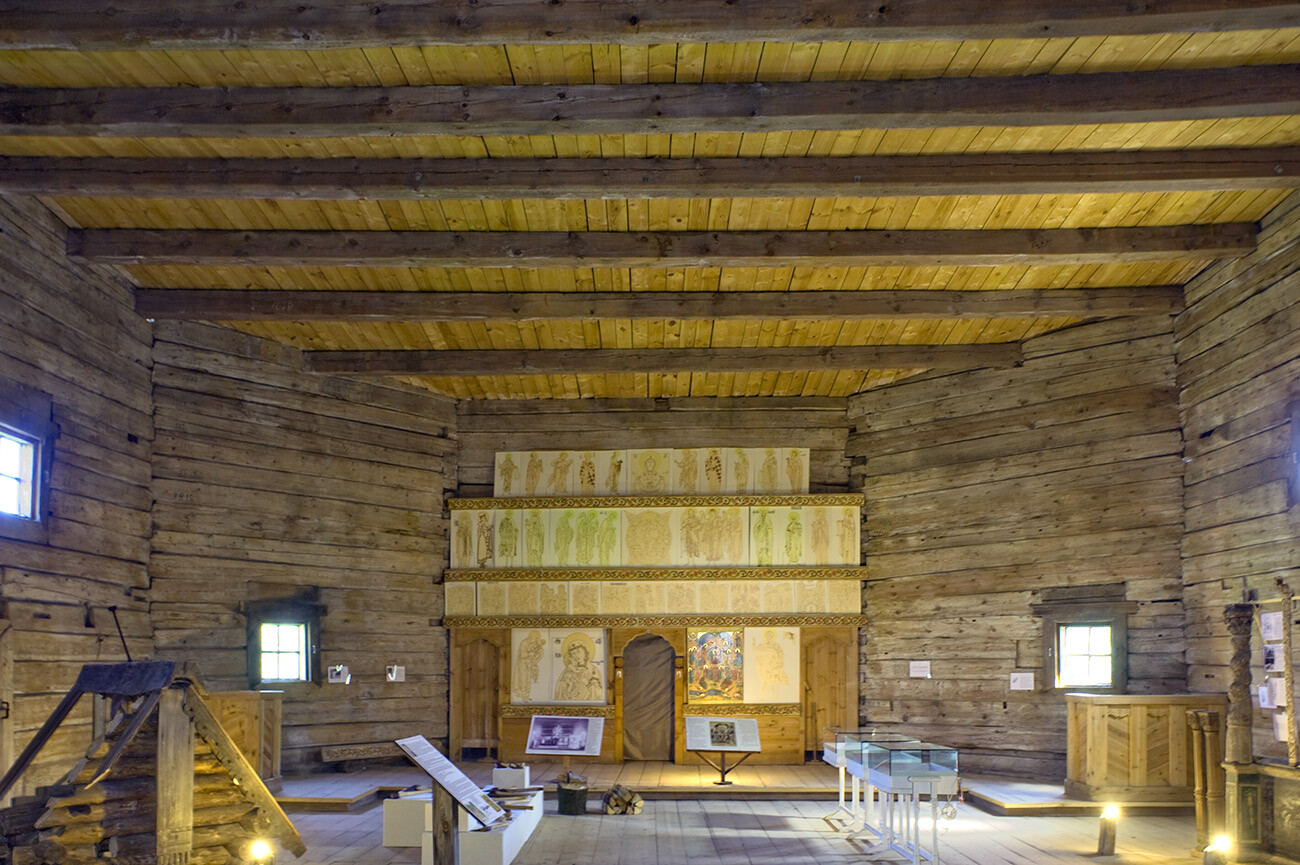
[660, 248]
[478, 179]
[598, 109]
[240, 305]
[595, 361]
[214, 25]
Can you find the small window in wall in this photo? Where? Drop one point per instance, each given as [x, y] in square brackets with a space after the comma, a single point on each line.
[284, 652]
[283, 641]
[19, 470]
[27, 435]
[1084, 655]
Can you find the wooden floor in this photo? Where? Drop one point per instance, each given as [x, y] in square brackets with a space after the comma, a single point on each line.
[765, 832]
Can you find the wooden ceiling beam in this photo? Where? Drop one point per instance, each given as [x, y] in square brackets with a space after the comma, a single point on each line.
[305, 112]
[661, 248]
[243, 305]
[216, 24]
[660, 360]
[793, 177]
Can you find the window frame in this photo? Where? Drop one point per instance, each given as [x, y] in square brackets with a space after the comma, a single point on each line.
[283, 612]
[27, 414]
[1061, 627]
[1108, 609]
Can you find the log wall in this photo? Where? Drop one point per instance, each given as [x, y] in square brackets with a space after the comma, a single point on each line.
[985, 488]
[267, 481]
[1238, 345]
[70, 331]
[488, 426]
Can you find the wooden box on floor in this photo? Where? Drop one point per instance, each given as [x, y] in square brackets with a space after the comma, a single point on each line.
[1131, 747]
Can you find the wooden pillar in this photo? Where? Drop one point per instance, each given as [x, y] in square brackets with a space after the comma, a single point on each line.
[679, 704]
[1239, 619]
[1200, 766]
[1213, 740]
[175, 779]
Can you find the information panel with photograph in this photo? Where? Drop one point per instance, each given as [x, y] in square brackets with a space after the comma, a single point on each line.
[470, 796]
[721, 734]
[565, 735]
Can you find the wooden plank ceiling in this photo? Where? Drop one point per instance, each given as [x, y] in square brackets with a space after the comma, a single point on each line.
[509, 199]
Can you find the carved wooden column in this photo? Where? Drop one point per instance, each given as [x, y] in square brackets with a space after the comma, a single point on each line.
[1242, 784]
[1239, 619]
[1211, 732]
[1200, 768]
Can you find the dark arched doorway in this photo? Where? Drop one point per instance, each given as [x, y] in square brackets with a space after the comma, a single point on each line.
[648, 717]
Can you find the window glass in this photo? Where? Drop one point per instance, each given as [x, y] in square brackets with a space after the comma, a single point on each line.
[17, 469]
[284, 651]
[1084, 656]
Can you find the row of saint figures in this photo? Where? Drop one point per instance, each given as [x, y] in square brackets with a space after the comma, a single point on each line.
[753, 536]
[653, 471]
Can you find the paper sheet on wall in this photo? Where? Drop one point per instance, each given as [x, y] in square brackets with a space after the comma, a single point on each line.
[452, 779]
[1022, 681]
[721, 734]
[1277, 692]
[918, 669]
[1270, 626]
[1266, 698]
[1279, 726]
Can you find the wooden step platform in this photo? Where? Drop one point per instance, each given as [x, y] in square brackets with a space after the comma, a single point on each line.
[358, 790]
[1008, 797]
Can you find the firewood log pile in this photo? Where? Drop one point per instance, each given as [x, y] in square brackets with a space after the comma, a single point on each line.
[621, 800]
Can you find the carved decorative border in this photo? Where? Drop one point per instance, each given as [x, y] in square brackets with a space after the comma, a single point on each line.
[513, 711]
[732, 501]
[492, 575]
[716, 620]
[742, 709]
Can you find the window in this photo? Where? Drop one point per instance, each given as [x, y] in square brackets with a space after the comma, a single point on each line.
[1085, 637]
[283, 641]
[18, 472]
[26, 445]
[284, 652]
[1084, 654]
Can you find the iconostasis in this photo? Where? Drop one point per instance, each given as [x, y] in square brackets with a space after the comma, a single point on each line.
[721, 552]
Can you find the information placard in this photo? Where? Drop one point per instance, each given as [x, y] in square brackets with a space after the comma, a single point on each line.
[721, 734]
[565, 735]
[480, 806]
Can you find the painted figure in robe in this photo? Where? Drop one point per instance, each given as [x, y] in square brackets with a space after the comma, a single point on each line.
[532, 474]
[794, 470]
[581, 680]
[713, 471]
[534, 538]
[607, 538]
[688, 467]
[559, 479]
[614, 478]
[769, 661]
[767, 476]
[793, 539]
[821, 538]
[464, 540]
[563, 538]
[763, 537]
[527, 666]
[483, 539]
[740, 471]
[847, 529]
[507, 538]
[587, 474]
[508, 472]
[587, 523]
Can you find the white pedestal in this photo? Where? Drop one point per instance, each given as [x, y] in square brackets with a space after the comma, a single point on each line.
[510, 778]
[406, 819]
[500, 844]
[408, 822]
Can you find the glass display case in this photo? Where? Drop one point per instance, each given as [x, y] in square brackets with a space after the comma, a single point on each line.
[838, 743]
[891, 765]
